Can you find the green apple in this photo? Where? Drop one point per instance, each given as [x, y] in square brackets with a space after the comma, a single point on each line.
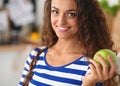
[105, 53]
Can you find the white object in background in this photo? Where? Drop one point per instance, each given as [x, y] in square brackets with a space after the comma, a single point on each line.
[39, 12]
[113, 2]
[21, 12]
[1, 3]
[3, 20]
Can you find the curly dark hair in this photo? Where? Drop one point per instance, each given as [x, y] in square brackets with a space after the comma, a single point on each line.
[93, 31]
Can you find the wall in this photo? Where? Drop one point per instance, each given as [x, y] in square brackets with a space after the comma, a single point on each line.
[39, 11]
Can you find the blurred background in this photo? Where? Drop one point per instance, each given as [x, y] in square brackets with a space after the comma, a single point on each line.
[20, 32]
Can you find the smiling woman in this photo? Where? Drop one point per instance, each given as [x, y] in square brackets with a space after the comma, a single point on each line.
[72, 32]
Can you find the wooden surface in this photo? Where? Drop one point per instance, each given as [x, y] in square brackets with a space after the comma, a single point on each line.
[16, 47]
[12, 47]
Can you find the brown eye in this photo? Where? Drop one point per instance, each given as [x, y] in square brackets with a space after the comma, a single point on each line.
[71, 14]
[55, 12]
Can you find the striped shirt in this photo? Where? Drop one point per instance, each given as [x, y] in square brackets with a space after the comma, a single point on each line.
[46, 75]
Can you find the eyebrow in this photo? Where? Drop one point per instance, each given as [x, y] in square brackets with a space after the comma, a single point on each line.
[66, 10]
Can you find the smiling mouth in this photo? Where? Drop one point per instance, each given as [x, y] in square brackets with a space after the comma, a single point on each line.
[63, 29]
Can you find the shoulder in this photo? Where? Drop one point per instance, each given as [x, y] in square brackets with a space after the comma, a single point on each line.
[34, 52]
[37, 49]
[85, 63]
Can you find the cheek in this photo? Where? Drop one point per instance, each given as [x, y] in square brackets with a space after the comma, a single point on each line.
[75, 26]
[74, 23]
[52, 20]
[53, 23]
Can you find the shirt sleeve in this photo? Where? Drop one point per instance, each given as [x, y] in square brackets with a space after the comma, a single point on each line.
[31, 56]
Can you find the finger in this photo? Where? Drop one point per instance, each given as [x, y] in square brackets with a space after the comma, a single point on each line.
[112, 67]
[93, 70]
[98, 68]
[105, 67]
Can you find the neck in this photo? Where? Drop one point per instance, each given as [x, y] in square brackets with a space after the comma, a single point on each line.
[69, 46]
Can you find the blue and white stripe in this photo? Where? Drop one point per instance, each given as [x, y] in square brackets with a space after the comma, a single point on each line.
[46, 75]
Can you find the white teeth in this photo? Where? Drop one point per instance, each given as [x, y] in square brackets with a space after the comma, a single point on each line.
[61, 28]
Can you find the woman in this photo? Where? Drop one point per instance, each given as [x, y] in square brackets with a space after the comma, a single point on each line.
[73, 31]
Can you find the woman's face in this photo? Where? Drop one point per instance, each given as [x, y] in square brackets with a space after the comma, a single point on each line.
[64, 18]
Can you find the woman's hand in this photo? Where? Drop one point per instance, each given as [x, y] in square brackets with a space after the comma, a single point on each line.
[99, 72]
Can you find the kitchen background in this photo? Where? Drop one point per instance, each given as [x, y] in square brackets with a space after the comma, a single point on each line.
[20, 25]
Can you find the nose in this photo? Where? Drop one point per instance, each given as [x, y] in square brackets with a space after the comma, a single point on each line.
[62, 20]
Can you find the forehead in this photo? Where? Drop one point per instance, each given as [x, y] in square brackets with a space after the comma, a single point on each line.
[64, 4]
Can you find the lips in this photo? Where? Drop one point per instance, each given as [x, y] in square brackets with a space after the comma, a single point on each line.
[63, 28]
